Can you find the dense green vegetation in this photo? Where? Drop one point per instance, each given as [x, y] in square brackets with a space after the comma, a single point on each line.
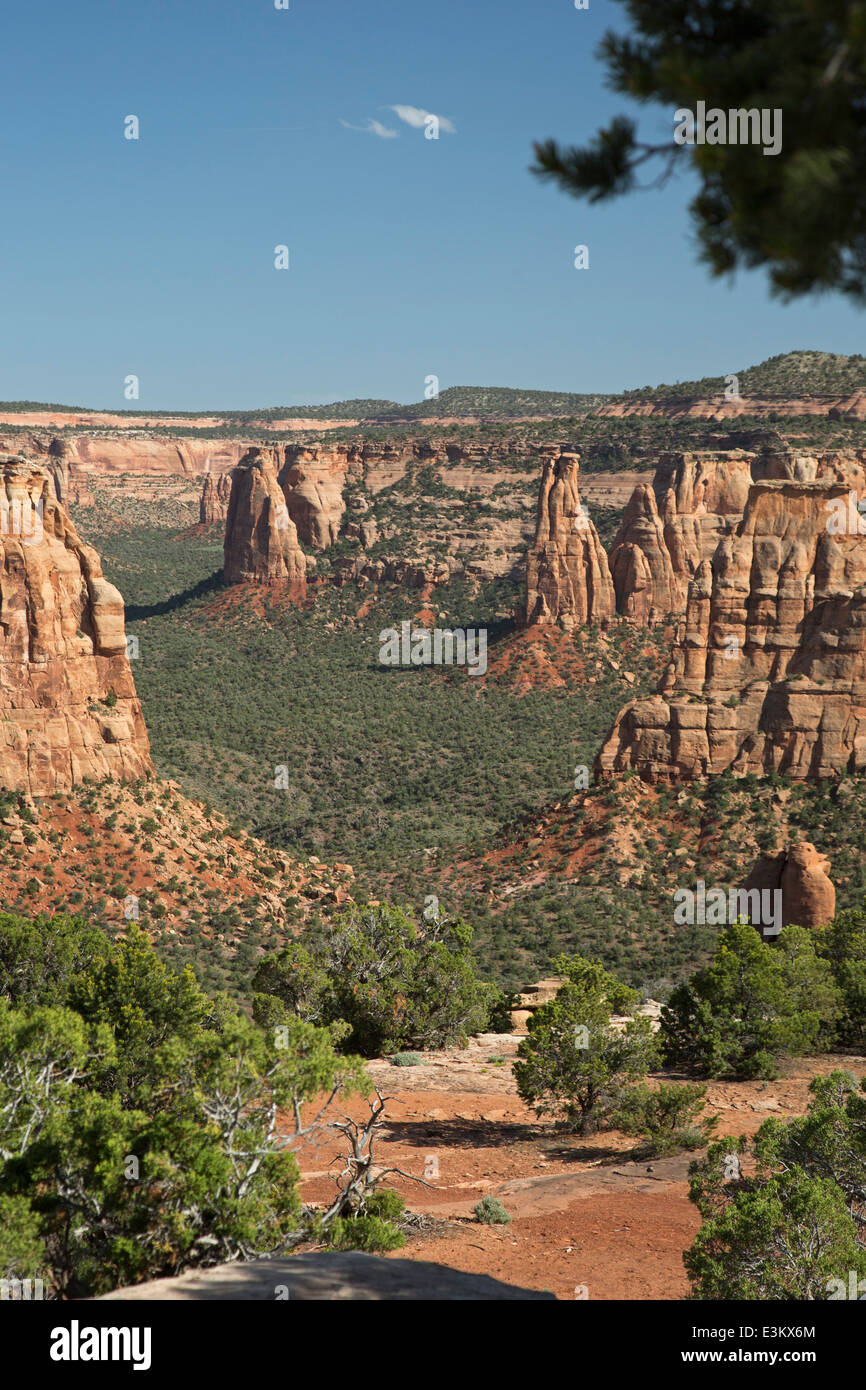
[138, 1118]
[414, 776]
[384, 764]
[785, 1213]
[395, 983]
[755, 1003]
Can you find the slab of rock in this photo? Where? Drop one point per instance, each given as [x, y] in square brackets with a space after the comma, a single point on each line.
[339, 1276]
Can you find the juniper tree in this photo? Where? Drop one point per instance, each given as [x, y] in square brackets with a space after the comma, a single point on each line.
[799, 213]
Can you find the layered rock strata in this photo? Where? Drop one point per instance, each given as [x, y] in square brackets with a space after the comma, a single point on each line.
[695, 499]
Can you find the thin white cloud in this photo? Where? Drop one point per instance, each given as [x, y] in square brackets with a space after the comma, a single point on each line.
[372, 128]
[417, 117]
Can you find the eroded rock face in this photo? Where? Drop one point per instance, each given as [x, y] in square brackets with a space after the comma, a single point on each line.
[695, 500]
[312, 479]
[214, 502]
[802, 875]
[647, 586]
[670, 527]
[568, 581]
[769, 667]
[261, 540]
[68, 707]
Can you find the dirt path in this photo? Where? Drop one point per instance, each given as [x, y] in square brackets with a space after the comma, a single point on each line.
[585, 1217]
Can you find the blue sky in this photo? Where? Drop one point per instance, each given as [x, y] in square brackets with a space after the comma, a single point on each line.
[409, 257]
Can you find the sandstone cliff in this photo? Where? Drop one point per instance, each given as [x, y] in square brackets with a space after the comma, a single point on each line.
[670, 527]
[312, 479]
[261, 540]
[695, 499]
[568, 581]
[769, 666]
[68, 707]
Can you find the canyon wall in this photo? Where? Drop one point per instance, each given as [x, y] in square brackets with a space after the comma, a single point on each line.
[671, 526]
[769, 667]
[68, 707]
[475, 519]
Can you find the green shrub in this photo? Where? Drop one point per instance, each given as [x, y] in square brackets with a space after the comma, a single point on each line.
[843, 945]
[136, 1114]
[490, 1212]
[373, 1229]
[666, 1117]
[785, 1213]
[398, 985]
[407, 1059]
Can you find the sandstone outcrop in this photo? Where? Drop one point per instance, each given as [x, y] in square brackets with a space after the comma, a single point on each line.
[695, 499]
[769, 667]
[68, 707]
[647, 586]
[668, 528]
[312, 479]
[261, 540]
[568, 581]
[543, 992]
[851, 407]
[802, 875]
[214, 502]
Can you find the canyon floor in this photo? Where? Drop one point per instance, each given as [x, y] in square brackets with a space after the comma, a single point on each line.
[588, 1221]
